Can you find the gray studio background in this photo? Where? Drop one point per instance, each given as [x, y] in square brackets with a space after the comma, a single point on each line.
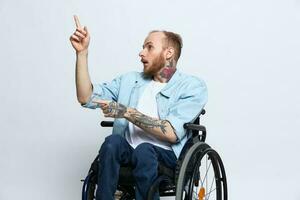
[246, 51]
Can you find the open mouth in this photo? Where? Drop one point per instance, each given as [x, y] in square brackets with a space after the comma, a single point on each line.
[144, 61]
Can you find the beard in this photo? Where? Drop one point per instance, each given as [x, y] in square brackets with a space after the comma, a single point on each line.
[157, 64]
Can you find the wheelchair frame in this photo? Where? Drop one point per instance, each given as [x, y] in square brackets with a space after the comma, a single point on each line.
[176, 182]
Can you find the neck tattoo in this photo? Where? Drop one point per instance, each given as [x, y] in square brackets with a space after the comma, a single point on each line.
[167, 72]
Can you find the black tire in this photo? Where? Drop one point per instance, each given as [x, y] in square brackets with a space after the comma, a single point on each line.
[190, 174]
[89, 187]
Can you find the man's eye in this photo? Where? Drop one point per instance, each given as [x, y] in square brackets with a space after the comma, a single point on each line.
[150, 47]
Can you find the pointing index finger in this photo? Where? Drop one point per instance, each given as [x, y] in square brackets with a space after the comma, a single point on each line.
[77, 22]
[101, 102]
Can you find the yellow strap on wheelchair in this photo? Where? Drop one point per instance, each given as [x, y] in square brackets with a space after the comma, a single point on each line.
[201, 193]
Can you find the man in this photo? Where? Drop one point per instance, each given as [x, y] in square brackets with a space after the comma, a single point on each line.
[149, 108]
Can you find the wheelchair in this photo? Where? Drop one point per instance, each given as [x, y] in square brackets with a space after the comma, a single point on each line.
[199, 172]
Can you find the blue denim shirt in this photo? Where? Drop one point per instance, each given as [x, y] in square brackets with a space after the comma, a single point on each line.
[179, 102]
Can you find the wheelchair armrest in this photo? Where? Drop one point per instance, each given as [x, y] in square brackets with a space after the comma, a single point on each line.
[194, 127]
[107, 123]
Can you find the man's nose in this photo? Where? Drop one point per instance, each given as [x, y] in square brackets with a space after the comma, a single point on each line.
[142, 54]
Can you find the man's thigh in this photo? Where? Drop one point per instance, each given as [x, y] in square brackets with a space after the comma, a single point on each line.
[118, 147]
[149, 153]
[166, 157]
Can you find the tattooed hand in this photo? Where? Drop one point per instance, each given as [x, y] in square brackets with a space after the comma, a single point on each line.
[112, 109]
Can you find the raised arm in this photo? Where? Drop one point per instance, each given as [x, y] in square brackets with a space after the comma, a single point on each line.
[80, 42]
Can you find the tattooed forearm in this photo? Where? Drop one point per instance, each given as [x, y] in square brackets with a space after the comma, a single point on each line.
[144, 121]
[161, 129]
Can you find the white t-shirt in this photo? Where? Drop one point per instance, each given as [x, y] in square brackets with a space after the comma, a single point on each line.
[147, 105]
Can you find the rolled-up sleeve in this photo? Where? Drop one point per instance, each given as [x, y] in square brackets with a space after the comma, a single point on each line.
[187, 107]
[105, 91]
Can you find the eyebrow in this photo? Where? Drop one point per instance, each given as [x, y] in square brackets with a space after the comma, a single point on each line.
[147, 44]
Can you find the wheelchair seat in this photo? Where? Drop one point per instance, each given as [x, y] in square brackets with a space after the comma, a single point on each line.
[126, 176]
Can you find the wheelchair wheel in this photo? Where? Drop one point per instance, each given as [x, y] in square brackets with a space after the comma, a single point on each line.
[202, 175]
[89, 187]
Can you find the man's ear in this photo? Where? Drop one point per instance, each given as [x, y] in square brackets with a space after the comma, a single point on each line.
[170, 52]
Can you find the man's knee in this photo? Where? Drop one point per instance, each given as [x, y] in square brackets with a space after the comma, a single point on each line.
[112, 143]
[143, 152]
[144, 148]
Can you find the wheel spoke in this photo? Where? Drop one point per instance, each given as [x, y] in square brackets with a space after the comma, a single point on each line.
[209, 193]
[201, 179]
[210, 190]
[206, 173]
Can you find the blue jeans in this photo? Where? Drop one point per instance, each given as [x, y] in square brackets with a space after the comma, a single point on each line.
[144, 159]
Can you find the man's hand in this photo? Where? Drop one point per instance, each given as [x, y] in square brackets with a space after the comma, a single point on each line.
[112, 109]
[80, 39]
